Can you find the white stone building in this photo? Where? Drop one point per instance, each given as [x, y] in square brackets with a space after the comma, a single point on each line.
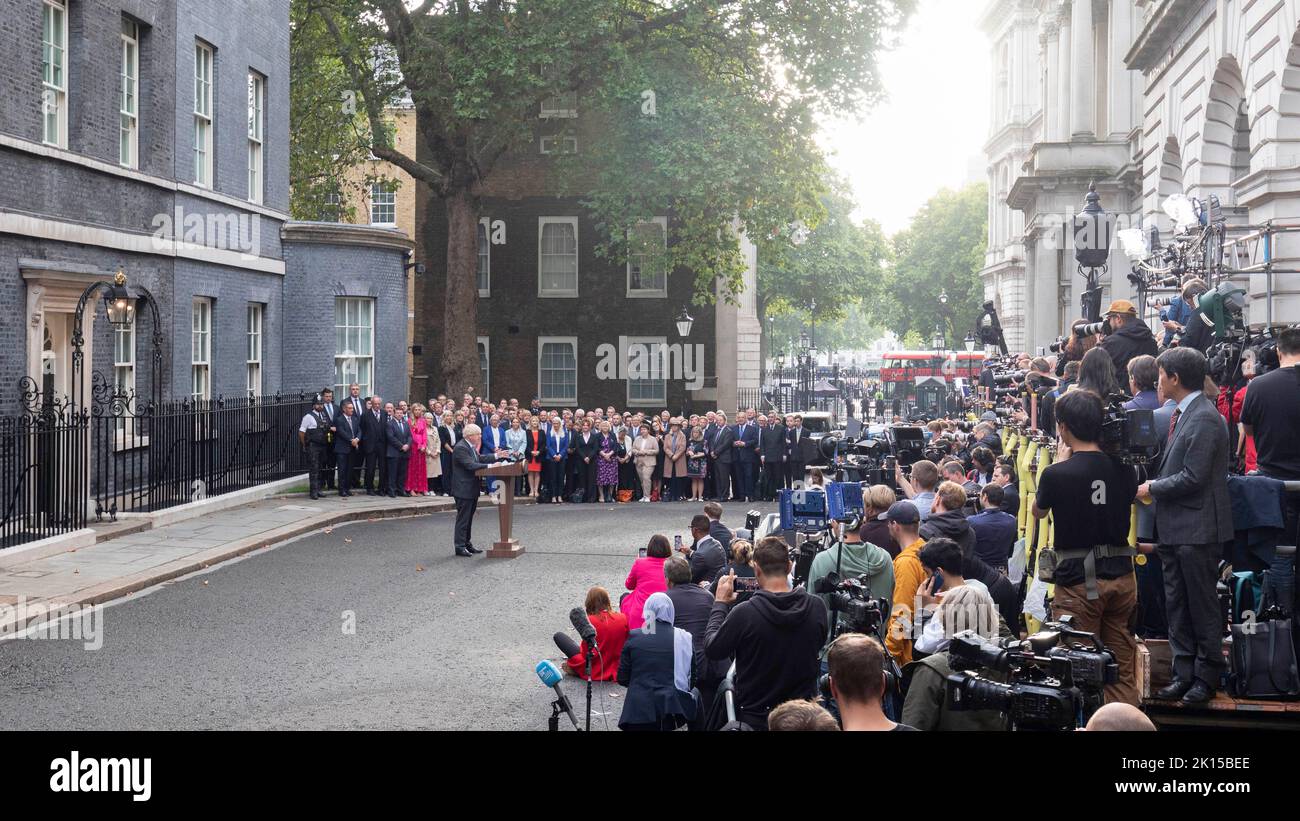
[1148, 98]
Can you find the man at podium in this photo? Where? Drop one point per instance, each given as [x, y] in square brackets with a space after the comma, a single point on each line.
[464, 484]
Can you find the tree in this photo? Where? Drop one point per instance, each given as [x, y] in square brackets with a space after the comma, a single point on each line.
[941, 252]
[709, 106]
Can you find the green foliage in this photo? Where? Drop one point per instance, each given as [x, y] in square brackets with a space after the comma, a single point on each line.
[942, 251]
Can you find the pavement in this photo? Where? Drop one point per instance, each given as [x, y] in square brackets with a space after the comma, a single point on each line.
[370, 623]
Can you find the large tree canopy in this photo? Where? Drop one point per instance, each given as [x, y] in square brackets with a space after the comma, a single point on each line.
[706, 109]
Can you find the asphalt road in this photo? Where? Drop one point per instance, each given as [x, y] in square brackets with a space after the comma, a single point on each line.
[440, 642]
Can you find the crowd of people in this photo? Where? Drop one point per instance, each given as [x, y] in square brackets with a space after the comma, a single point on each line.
[939, 548]
[365, 444]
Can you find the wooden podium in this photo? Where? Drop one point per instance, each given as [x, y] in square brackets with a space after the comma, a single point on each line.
[507, 548]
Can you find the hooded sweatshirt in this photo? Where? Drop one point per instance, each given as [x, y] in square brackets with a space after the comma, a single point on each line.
[775, 638]
[950, 524]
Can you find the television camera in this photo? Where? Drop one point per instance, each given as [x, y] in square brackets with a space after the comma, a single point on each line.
[1053, 680]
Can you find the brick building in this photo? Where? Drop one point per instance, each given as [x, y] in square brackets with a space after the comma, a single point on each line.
[151, 137]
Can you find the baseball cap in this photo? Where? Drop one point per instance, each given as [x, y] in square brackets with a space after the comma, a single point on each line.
[904, 513]
[1121, 306]
[988, 416]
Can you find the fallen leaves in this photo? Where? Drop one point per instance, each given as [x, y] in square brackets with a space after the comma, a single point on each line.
[419, 568]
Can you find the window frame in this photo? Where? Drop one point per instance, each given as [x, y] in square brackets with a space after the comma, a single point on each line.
[561, 111]
[485, 223]
[256, 136]
[54, 88]
[378, 188]
[341, 387]
[659, 401]
[129, 96]
[255, 330]
[542, 342]
[485, 357]
[648, 293]
[559, 293]
[205, 118]
[567, 138]
[201, 348]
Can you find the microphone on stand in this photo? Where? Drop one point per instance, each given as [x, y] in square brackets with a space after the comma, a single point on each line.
[578, 618]
[551, 677]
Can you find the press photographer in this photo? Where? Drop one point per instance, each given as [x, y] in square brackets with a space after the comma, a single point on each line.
[867, 564]
[1090, 496]
[927, 705]
[1128, 336]
[858, 681]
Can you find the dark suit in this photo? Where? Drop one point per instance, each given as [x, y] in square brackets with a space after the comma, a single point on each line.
[646, 669]
[347, 428]
[398, 434]
[797, 446]
[493, 440]
[586, 470]
[710, 486]
[373, 438]
[745, 467]
[772, 448]
[464, 488]
[1193, 520]
[723, 456]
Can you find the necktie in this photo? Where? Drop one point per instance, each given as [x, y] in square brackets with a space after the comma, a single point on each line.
[1173, 421]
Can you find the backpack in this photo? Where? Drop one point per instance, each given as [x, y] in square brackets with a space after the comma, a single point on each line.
[1263, 662]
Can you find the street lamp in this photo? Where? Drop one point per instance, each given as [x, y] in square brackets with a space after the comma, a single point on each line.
[943, 297]
[684, 322]
[1092, 238]
[117, 302]
[969, 342]
[938, 338]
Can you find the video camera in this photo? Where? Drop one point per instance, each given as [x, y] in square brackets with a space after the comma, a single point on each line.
[1053, 683]
[852, 599]
[1129, 434]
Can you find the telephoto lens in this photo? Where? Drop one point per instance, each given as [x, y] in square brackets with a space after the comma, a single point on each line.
[1093, 329]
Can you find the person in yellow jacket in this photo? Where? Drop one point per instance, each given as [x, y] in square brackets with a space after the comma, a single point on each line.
[904, 523]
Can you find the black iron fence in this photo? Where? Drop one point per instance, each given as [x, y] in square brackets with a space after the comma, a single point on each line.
[59, 464]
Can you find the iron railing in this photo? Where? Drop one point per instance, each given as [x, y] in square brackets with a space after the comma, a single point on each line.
[42, 472]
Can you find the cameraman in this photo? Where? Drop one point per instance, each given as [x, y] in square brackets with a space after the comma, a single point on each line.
[1142, 378]
[1128, 337]
[1193, 520]
[1271, 414]
[775, 636]
[926, 706]
[1090, 496]
[852, 559]
[857, 680]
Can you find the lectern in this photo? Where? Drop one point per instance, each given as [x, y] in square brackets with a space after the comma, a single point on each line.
[507, 548]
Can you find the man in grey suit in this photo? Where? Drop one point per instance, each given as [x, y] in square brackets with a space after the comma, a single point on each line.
[464, 484]
[1193, 520]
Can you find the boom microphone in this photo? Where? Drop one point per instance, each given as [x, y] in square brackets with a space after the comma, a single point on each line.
[578, 618]
[551, 677]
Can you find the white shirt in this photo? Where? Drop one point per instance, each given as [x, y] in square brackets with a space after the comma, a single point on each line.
[308, 423]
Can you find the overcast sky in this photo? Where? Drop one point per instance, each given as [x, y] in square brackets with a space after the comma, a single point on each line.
[934, 124]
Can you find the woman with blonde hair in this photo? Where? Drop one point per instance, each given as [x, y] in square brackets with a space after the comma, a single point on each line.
[433, 455]
[644, 451]
[417, 475]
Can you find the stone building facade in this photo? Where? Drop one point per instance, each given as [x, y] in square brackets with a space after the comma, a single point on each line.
[151, 137]
[1147, 98]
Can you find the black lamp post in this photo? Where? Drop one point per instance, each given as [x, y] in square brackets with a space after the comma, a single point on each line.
[684, 322]
[120, 311]
[1092, 239]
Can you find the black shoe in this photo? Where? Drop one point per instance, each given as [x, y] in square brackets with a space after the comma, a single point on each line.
[460, 551]
[1200, 693]
[1176, 690]
[474, 551]
[370, 493]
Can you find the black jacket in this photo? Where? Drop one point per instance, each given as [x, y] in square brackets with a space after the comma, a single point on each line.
[646, 669]
[349, 428]
[374, 437]
[723, 534]
[691, 606]
[772, 444]
[1130, 341]
[721, 445]
[464, 461]
[951, 524]
[775, 638]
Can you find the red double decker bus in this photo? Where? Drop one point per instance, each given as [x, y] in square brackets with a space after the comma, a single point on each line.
[900, 370]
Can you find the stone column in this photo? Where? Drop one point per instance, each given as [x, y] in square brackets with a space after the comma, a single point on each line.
[1049, 50]
[1063, 72]
[1083, 95]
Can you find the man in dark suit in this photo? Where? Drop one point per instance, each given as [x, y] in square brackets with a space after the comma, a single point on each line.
[746, 462]
[464, 485]
[331, 412]
[1193, 520]
[773, 456]
[359, 405]
[796, 452]
[347, 446]
[720, 447]
[397, 450]
[374, 432]
[711, 471]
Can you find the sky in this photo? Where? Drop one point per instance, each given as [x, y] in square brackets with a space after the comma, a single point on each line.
[934, 123]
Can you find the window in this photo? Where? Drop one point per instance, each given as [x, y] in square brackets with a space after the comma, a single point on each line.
[255, 313]
[557, 256]
[557, 370]
[643, 358]
[333, 208]
[129, 141]
[647, 274]
[558, 144]
[484, 259]
[485, 364]
[560, 106]
[201, 349]
[383, 204]
[123, 372]
[202, 115]
[54, 73]
[354, 344]
[256, 95]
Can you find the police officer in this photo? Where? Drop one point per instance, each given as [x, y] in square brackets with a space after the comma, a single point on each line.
[313, 433]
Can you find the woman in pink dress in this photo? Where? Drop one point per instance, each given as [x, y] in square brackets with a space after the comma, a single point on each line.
[417, 474]
[646, 579]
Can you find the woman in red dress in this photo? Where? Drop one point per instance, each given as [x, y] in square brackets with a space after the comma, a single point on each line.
[535, 450]
[611, 633]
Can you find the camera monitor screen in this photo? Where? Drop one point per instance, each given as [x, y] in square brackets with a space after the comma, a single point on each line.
[803, 509]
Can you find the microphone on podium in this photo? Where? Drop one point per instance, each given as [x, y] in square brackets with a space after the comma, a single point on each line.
[551, 677]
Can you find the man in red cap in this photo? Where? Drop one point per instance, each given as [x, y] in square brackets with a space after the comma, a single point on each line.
[1129, 337]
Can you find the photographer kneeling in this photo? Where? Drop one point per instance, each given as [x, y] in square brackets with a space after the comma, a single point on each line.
[775, 636]
[926, 706]
[1090, 495]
